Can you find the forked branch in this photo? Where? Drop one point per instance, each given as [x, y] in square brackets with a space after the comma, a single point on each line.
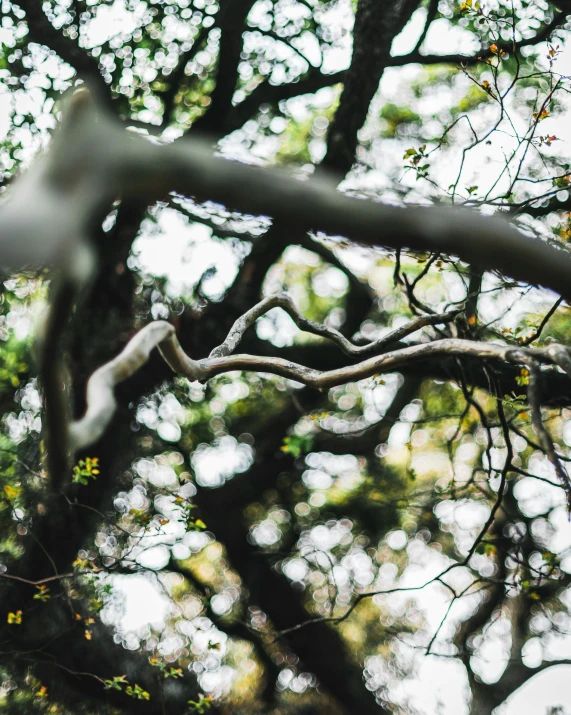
[160, 334]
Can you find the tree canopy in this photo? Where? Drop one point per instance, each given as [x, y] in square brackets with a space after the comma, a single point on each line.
[285, 366]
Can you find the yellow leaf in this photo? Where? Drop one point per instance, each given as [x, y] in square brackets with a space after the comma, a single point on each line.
[11, 492]
[543, 114]
[43, 593]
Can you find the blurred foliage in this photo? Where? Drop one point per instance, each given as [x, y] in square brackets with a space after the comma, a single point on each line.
[338, 494]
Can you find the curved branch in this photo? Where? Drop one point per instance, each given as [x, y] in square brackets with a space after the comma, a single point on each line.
[101, 403]
[521, 673]
[282, 300]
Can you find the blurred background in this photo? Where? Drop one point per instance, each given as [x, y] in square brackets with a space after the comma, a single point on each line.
[283, 550]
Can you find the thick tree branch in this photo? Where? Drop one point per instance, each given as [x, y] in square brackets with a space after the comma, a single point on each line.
[431, 14]
[58, 197]
[232, 23]
[373, 34]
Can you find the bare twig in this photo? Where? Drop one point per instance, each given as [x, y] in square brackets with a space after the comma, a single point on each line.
[542, 434]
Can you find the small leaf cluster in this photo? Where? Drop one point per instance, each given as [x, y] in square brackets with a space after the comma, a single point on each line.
[85, 470]
[415, 156]
[120, 682]
[42, 692]
[12, 492]
[296, 445]
[468, 6]
[187, 507]
[202, 705]
[42, 593]
[166, 670]
[135, 691]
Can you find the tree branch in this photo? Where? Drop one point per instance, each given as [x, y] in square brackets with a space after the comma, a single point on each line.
[542, 434]
[232, 23]
[458, 59]
[284, 302]
[266, 93]
[101, 402]
[60, 196]
[177, 77]
[373, 34]
[41, 31]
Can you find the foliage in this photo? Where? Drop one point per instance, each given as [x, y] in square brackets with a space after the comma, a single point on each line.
[85, 470]
[281, 542]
